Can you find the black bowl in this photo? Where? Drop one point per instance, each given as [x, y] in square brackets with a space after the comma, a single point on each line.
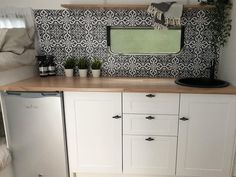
[202, 82]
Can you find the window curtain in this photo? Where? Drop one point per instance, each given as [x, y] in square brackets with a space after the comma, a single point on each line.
[16, 18]
[12, 22]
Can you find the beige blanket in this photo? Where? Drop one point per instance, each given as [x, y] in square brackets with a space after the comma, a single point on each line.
[9, 60]
[5, 157]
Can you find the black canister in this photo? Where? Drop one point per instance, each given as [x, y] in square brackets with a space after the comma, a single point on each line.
[43, 65]
[51, 66]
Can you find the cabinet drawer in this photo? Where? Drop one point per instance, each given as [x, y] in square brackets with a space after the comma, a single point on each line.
[146, 103]
[150, 124]
[149, 155]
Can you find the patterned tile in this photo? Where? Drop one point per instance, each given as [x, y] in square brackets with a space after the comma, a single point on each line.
[66, 33]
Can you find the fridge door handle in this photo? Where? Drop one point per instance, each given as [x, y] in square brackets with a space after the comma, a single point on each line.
[33, 94]
[13, 93]
[50, 94]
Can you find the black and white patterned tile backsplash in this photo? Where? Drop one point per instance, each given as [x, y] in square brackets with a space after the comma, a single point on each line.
[66, 33]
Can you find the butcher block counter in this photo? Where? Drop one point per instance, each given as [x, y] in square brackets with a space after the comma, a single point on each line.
[60, 83]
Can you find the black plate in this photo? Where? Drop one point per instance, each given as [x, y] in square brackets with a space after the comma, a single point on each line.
[202, 82]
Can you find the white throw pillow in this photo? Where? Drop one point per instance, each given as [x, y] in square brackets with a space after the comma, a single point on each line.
[16, 41]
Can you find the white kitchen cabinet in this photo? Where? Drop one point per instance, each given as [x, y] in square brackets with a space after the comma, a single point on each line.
[94, 132]
[151, 103]
[149, 155]
[203, 127]
[206, 135]
[150, 133]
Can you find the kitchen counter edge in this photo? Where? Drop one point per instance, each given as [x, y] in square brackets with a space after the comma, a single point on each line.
[76, 84]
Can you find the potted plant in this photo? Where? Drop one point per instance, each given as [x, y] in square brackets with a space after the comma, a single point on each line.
[83, 65]
[69, 66]
[220, 25]
[96, 67]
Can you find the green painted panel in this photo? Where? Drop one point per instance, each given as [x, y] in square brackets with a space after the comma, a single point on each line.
[144, 41]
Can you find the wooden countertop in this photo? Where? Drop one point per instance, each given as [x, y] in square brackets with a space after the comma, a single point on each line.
[109, 85]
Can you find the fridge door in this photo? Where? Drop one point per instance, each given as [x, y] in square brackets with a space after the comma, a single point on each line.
[36, 134]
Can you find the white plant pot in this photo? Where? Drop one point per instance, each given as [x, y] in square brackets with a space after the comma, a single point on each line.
[83, 72]
[69, 72]
[96, 72]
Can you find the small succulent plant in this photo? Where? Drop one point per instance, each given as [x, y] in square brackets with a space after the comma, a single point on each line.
[70, 63]
[96, 64]
[83, 63]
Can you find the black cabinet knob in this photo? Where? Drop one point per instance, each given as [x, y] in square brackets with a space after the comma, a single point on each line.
[150, 139]
[116, 117]
[150, 117]
[184, 119]
[150, 95]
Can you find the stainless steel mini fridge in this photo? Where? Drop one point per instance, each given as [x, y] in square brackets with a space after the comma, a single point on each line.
[36, 134]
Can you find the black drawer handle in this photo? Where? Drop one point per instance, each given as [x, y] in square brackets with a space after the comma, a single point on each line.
[116, 117]
[150, 118]
[149, 139]
[150, 95]
[184, 119]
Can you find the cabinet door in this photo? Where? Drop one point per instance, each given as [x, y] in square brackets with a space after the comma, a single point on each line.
[147, 155]
[206, 140]
[94, 136]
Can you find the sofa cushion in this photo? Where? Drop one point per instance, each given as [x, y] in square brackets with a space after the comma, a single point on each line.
[3, 33]
[16, 41]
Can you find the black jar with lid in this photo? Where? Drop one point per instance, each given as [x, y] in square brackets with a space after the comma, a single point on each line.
[51, 66]
[43, 65]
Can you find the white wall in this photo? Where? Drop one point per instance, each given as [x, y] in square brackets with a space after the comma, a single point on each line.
[56, 4]
[227, 67]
